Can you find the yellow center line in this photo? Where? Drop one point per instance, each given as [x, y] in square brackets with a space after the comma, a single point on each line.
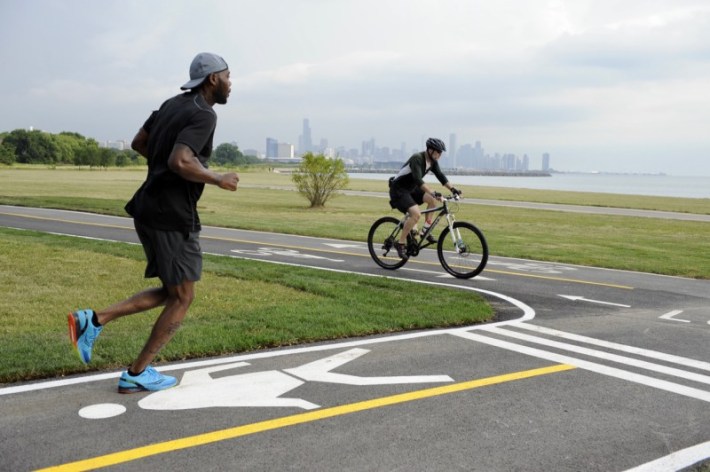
[245, 430]
[560, 279]
[75, 222]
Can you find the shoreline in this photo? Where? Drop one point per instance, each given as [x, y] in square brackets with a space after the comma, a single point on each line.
[483, 173]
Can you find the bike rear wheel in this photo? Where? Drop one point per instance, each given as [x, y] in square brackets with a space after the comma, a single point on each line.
[465, 254]
[380, 242]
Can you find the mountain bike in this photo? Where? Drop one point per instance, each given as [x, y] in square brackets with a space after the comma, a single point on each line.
[461, 247]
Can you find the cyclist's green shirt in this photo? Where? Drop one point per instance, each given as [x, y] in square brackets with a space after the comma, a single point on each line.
[411, 175]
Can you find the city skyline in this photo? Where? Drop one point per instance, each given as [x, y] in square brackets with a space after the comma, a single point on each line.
[466, 156]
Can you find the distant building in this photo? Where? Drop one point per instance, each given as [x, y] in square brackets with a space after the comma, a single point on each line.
[464, 157]
[448, 160]
[305, 141]
[368, 148]
[272, 148]
[120, 145]
[545, 162]
[284, 150]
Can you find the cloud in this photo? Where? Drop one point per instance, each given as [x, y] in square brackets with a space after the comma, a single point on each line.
[642, 48]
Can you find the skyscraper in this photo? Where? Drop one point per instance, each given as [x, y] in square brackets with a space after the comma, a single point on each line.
[272, 147]
[306, 141]
[545, 162]
[450, 159]
[368, 148]
[478, 157]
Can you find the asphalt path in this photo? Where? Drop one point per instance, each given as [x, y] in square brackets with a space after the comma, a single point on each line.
[584, 369]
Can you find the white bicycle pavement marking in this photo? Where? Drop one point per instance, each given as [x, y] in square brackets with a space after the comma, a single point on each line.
[198, 389]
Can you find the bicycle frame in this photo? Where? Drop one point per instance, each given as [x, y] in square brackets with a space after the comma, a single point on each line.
[443, 212]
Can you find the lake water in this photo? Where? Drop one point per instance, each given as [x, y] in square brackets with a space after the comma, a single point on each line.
[627, 184]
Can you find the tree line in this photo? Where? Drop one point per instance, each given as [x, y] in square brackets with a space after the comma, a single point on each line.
[70, 148]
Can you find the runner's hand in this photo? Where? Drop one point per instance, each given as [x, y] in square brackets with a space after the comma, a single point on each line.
[229, 181]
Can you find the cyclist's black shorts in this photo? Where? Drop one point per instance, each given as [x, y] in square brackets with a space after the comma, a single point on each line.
[403, 200]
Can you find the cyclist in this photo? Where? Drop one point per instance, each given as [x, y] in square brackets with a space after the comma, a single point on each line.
[408, 190]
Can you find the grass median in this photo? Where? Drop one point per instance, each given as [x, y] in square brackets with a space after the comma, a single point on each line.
[240, 305]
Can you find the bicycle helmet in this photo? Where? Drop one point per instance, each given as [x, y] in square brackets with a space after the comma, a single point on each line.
[435, 144]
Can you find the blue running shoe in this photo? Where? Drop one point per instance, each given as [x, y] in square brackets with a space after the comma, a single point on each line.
[150, 380]
[83, 333]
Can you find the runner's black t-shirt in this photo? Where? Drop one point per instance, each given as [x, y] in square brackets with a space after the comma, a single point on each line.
[166, 201]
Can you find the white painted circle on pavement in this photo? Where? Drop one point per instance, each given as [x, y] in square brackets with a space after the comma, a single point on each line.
[101, 411]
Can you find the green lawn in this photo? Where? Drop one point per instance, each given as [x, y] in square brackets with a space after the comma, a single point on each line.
[240, 305]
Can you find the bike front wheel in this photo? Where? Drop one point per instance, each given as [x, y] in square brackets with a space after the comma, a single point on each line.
[463, 254]
[380, 242]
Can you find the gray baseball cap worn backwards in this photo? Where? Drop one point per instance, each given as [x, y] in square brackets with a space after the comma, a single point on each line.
[204, 64]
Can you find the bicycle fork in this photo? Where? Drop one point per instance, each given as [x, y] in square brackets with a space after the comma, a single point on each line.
[455, 234]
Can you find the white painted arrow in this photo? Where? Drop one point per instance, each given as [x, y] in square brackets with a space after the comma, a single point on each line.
[670, 316]
[267, 251]
[341, 246]
[320, 371]
[575, 298]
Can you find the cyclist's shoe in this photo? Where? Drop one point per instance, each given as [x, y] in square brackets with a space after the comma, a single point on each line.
[431, 239]
[83, 333]
[150, 380]
[401, 250]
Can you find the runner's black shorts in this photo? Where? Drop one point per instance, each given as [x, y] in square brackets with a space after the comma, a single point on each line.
[404, 200]
[173, 256]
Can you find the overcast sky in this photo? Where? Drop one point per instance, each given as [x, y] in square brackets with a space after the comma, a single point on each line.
[608, 85]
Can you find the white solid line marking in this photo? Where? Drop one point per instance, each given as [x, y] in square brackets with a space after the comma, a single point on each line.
[677, 460]
[661, 356]
[603, 355]
[591, 366]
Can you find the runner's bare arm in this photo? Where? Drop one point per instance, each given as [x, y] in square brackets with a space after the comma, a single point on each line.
[184, 162]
